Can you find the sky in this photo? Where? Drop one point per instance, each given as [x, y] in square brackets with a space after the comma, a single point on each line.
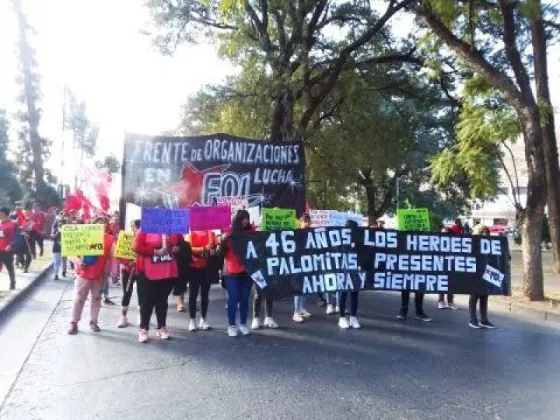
[97, 50]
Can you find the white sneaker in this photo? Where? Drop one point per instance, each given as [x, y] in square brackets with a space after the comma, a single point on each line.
[337, 310]
[256, 324]
[441, 305]
[343, 323]
[451, 306]
[269, 322]
[203, 325]
[192, 325]
[330, 309]
[355, 323]
[232, 331]
[244, 330]
[298, 317]
[305, 313]
[123, 322]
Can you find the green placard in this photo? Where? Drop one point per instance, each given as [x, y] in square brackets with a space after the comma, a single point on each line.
[278, 219]
[80, 240]
[414, 219]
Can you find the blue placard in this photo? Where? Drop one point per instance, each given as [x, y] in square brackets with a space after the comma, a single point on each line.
[165, 221]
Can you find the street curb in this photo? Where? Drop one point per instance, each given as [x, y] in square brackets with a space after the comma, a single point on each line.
[520, 309]
[7, 305]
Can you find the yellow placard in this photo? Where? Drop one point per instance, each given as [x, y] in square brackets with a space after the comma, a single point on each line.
[82, 240]
[125, 246]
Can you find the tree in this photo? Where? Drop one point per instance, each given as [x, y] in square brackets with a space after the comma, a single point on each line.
[304, 46]
[489, 37]
[365, 112]
[111, 163]
[83, 131]
[33, 148]
[10, 189]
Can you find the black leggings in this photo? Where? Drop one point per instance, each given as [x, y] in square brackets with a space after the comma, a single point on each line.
[36, 238]
[418, 302]
[473, 300]
[257, 304]
[153, 294]
[7, 260]
[199, 280]
[449, 298]
[127, 287]
[24, 258]
[353, 303]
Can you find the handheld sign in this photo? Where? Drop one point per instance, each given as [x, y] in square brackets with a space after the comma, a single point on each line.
[278, 219]
[210, 217]
[125, 246]
[319, 218]
[415, 220]
[236, 203]
[254, 215]
[164, 221]
[81, 240]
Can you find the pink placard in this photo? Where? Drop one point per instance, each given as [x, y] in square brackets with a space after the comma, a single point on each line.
[209, 217]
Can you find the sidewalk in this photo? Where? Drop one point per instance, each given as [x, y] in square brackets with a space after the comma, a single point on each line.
[517, 303]
[39, 268]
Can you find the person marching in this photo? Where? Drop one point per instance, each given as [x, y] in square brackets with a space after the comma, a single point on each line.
[157, 271]
[203, 245]
[238, 282]
[7, 234]
[483, 299]
[56, 248]
[353, 321]
[129, 276]
[300, 314]
[90, 275]
[450, 297]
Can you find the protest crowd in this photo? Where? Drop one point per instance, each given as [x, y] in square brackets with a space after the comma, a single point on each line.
[185, 265]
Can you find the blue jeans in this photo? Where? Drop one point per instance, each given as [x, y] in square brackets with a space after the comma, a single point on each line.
[332, 298]
[238, 292]
[57, 262]
[299, 301]
[106, 290]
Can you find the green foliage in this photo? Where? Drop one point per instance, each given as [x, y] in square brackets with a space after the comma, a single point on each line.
[481, 132]
[111, 163]
[84, 132]
[10, 189]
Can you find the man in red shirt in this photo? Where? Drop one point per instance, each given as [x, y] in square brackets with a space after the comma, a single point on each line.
[38, 224]
[7, 232]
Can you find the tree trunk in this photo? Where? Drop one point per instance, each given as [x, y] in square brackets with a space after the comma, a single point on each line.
[30, 96]
[531, 228]
[549, 135]
[532, 218]
[283, 117]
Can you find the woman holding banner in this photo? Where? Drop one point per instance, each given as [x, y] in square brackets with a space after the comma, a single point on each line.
[483, 299]
[157, 271]
[238, 283]
[90, 276]
[300, 314]
[353, 321]
[203, 245]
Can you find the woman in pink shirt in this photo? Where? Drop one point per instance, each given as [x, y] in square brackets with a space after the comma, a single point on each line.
[157, 272]
[89, 280]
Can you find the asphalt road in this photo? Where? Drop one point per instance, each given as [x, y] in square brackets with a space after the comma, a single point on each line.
[387, 370]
